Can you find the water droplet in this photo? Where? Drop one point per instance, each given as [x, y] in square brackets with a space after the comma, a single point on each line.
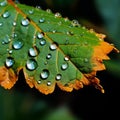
[58, 77]
[38, 7]
[25, 22]
[3, 4]
[14, 35]
[66, 58]
[53, 46]
[31, 11]
[31, 64]
[42, 20]
[70, 33]
[9, 51]
[48, 83]
[1, 24]
[58, 15]
[42, 42]
[6, 14]
[66, 19]
[75, 23]
[44, 74]
[39, 81]
[17, 45]
[49, 56]
[54, 31]
[86, 60]
[40, 35]
[33, 51]
[9, 62]
[64, 66]
[6, 40]
[14, 23]
[48, 11]
[46, 62]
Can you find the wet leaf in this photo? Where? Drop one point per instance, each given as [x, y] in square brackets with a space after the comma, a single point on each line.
[49, 49]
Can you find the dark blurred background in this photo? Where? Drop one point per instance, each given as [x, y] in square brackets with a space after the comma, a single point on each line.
[21, 102]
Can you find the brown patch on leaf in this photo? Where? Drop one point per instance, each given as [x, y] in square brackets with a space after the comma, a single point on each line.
[7, 78]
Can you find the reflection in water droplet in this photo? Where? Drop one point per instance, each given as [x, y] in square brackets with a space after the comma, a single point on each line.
[6, 14]
[53, 46]
[66, 58]
[40, 35]
[44, 74]
[42, 20]
[48, 83]
[58, 77]
[31, 64]
[17, 45]
[1, 24]
[3, 4]
[64, 66]
[42, 42]
[49, 56]
[58, 15]
[25, 22]
[9, 62]
[33, 51]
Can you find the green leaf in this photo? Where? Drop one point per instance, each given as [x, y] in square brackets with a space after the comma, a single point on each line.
[49, 49]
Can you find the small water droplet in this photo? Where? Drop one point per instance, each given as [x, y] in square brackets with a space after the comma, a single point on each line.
[42, 20]
[31, 11]
[44, 74]
[54, 31]
[14, 23]
[17, 45]
[46, 62]
[66, 19]
[42, 42]
[58, 77]
[40, 35]
[38, 7]
[64, 66]
[9, 51]
[1, 24]
[6, 40]
[66, 58]
[49, 56]
[39, 81]
[25, 22]
[70, 33]
[3, 4]
[9, 62]
[14, 35]
[31, 64]
[33, 51]
[6, 14]
[86, 60]
[58, 15]
[48, 11]
[48, 83]
[53, 46]
[75, 23]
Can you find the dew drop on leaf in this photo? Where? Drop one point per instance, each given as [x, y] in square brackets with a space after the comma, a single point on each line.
[53, 46]
[1, 24]
[58, 15]
[42, 42]
[48, 11]
[14, 23]
[31, 64]
[39, 81]
[64, 66]
[75, 23]
[44, 74]
[33, 51]
[40, 35]
[42, 20]
[31, 11]
[6, 14]
[58, 77]
[17, 45]
[3, 4]
[49, 56]
[48, 83]
[25, 22]
[86, 60]
[9, 62]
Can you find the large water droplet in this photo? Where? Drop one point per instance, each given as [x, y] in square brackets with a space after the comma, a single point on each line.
[53, 46]
[3, 4]
[40, 35]
[58, 77]
[31, 64]
[48, 56]
[58, 15]
[17, 45]
[25, 22]
[42, 20]
[64, 66]
[42, 42]
[44, 74]
[9, 62]
[6, 14]
[33, 51]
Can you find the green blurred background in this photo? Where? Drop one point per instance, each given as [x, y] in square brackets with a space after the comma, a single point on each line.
[21, 102]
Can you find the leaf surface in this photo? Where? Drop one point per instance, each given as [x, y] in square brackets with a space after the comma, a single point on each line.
[49, 49]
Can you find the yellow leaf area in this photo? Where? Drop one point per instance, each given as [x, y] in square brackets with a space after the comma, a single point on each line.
[100, 52]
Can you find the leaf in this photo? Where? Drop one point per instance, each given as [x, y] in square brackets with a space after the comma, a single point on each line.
[49, 49]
